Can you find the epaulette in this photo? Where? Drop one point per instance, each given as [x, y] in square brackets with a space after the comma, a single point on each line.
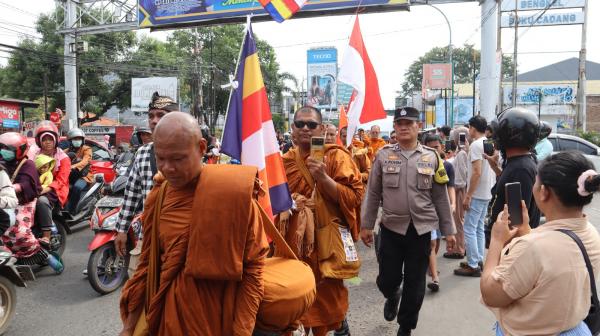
[388, 146]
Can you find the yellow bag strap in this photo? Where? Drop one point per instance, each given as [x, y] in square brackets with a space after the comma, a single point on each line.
[272, 232]
[153, 275]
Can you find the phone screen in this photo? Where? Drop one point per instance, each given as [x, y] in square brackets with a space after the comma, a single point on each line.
[488, 147]
[317, 148]
[462, 139]
[513, 200]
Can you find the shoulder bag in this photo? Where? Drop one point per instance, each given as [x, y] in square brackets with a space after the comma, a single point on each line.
[592, 320]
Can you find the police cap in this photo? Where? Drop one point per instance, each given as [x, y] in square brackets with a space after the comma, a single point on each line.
[408, 113]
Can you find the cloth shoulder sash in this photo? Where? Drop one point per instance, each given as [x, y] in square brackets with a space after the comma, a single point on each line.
[219, 227]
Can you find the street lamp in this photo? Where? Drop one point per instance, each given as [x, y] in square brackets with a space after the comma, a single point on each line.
[451, 64]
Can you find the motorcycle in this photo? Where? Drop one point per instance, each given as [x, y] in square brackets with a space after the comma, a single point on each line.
[106, 270]
[11, 275]
[84, 208]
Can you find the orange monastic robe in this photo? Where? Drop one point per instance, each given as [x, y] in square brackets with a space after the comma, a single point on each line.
[191, 305]
[330, 308]
[374, 144]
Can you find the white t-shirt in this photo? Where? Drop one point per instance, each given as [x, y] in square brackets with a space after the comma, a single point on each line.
[486, 182]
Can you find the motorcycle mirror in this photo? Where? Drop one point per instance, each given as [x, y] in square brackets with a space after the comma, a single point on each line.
[99, 178]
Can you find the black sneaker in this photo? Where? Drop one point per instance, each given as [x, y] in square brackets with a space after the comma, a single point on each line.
[344, 330]
[434, 286]
[404, 332]
[390, 309]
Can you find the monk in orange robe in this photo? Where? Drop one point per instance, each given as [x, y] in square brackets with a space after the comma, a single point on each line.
[360, 155]
[211, 256]
[339, 184]
[374, 142]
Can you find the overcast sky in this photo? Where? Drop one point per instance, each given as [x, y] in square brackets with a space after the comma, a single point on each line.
[394, 40]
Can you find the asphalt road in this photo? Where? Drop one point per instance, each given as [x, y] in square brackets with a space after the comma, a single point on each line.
[67, 305]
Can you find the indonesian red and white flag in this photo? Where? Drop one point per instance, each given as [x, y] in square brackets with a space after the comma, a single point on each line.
[357, 71]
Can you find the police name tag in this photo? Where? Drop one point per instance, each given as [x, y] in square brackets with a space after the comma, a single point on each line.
[425, 168]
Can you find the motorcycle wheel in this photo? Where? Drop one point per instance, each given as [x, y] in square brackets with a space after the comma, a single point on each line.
[8, 303]
[62, 239]
[103, 274]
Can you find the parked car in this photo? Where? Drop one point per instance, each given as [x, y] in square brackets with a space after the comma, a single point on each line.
[563, 142]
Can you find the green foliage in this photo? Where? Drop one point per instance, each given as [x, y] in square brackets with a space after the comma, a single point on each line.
[465, 60]
[591, 136]
[202, 58]
[279, 122]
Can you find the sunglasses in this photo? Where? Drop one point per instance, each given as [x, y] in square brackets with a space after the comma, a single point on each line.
[311, 124]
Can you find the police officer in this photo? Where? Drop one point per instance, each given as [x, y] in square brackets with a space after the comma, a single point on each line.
[409, 179]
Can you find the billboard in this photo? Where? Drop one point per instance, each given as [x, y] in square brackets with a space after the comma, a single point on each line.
[437, 76]
[9, 114]
[463, 111]
[524, 5]
[559, 94]
[143, 88]
[322, 77]
[548, 19]
[177, 13]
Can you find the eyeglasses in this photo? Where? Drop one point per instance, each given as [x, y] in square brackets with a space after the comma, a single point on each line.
[311, 124]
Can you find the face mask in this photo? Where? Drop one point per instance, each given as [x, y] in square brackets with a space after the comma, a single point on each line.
[76, 143]
[7, 155]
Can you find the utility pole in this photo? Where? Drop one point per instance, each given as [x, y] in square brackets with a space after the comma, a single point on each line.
[581, 92]
[46, 115]
[488, 78]
[499, 54]
[70, 67]
[514, 80]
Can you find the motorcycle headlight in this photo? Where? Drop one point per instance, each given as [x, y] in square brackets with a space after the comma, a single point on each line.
[94, 221]
[110, 223]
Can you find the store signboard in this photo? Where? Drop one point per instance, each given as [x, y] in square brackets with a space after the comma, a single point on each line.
[177, 13]
[322, 77]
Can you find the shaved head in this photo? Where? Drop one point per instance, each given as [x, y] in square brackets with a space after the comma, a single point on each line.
[180, 126]
[179, 148]
[330, 134]
[375, 131]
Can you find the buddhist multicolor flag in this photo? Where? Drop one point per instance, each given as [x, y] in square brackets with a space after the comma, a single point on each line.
[281, 10]
[249, 134]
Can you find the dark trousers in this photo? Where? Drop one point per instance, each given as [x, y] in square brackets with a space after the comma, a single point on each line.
[43, 213]
[4, 222]
[409, 253]
[75, 195]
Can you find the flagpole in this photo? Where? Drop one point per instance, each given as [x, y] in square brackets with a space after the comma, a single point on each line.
[236, 69]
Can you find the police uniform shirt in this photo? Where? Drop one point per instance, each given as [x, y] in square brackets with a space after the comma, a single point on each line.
[405, 182]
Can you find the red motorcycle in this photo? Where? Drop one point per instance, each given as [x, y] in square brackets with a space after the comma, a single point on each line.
[106, 270]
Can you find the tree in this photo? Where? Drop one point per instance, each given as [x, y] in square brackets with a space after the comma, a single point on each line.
[466, 59]
[213, 53]
[25, 71]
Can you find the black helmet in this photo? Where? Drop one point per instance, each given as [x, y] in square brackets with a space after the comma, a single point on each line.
[545, 130]
[142, 129]
[517, 128]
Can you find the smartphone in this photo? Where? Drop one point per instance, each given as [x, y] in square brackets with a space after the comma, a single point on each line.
[317, 148]
[513, 200]
[448, 145]
[462, 139]
[488, 147]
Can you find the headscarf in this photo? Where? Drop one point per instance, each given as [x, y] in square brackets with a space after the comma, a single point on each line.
[163, 103]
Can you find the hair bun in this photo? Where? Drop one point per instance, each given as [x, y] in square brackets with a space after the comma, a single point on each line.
[592, 185]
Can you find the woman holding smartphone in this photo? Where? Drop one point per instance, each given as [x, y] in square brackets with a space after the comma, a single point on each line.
[535, 280]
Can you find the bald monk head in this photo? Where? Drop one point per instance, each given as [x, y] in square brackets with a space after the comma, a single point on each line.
[375, 132]
[179, 147]
[308, 123]
[344, 135]
[330, 134]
